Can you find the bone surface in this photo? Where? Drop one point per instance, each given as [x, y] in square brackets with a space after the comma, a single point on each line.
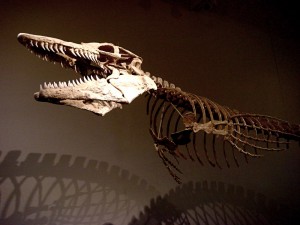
[112, 76]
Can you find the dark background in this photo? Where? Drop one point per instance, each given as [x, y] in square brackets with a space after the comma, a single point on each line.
[242, 54]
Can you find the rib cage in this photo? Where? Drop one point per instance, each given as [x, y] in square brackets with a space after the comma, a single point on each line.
[176, 117]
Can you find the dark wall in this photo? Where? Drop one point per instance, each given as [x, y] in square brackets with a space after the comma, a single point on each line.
[243, 54]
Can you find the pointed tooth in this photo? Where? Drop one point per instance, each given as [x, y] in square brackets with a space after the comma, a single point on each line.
[87, 55]
[65, 84]
[55, 85]
[74, 83]
[84, 54]
[95, 57]
[92, 78]
[55, 46]
[78, 81]
[43, 45]
[51, 47]
[88, 78]
[73, 52]
[47, 46]
[69, 84]
[45, 85]
[61, 49]
[76, 52]
[41, 87]
[31, 42]
[91, 56]
[79, 52]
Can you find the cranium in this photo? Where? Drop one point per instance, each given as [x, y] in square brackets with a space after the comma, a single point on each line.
[112, 75]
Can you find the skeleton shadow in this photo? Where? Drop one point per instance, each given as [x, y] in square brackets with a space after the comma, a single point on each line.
[63, 189]
[214, 203]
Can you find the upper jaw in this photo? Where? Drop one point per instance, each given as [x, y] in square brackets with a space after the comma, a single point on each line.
[84, 50]
[85, 58]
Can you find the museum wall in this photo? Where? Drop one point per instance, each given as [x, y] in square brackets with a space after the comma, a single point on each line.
[61, 165]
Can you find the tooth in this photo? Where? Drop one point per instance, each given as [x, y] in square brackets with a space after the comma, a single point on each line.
[98, 78]
[73, 52]
[61, 48]
[51, 47]
[79, 53]
[69, 84]
[55, 85]
[36, 44]
[74, 83]
[87, 55]
[84, 79]
[41, 87]
[91, 56]
[65, 84]
[45, 85]
[78, 82]
[47, 46]
[59, 84]
[92, 78]
[82, 53]
[62, 64]
[43, 45]
[31, 42]
[95, 58]
[56, 48]
[81, 80]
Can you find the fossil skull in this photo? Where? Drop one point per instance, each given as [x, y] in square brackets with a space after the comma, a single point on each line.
[111, 75]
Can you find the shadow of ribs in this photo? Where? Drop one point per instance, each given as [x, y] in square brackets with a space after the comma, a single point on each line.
[213, 203]
[112, 76]
[64, 189]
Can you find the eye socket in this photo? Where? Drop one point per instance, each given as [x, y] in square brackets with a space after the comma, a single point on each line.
[107, 48]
